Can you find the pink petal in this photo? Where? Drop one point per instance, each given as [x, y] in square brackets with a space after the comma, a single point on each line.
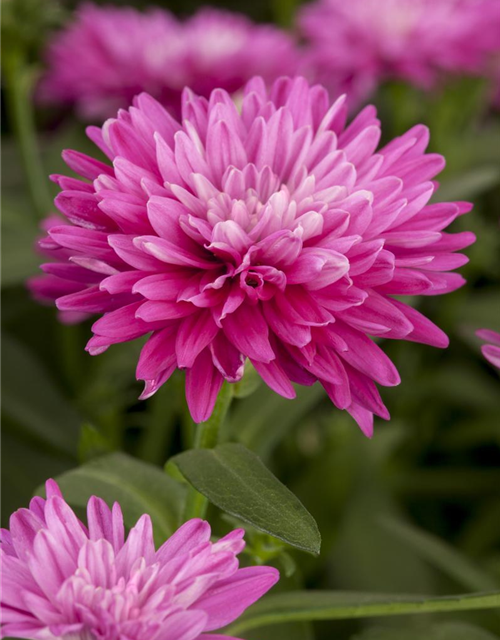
[190, 535]
[105, 523]
[227, 600]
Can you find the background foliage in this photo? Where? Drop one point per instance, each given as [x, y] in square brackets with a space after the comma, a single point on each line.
[414, 511]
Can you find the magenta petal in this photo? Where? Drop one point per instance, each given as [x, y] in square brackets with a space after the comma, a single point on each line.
[247, 329]
[275, 378]
[195, 333]
[228, 360]
[363, 417]
[284, 326]
[424, 330]
[203, 383]
[157, 354]
[365, 356]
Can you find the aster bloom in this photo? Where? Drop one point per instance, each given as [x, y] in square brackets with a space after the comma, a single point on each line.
[61, 579]
[354, 45]
[490, 351]
[109, 54]
[278, 235]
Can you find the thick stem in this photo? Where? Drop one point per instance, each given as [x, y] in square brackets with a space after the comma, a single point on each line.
[207, 437]
[19, 80]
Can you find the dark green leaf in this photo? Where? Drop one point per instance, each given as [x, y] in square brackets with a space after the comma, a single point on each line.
[235, 480]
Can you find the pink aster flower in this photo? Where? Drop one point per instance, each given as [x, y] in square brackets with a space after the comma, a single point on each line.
[61, 579]
[276, 234]
[354, 45]
[490, 351]
[109, 54]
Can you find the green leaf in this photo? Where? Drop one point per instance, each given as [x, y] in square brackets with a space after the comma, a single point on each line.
[138, 487]
[336, 605]
[441, 555]
[32, 400]
[442, 631]
[235, 480]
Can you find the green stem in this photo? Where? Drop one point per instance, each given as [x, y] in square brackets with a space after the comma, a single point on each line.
[207, 437]
[323, 605]
[161, 425]
[19, 81]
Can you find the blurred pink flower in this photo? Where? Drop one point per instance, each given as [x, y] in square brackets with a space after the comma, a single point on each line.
[352, 46]
[110, 54]
[61, 579]
[490, 351]
[277, 234]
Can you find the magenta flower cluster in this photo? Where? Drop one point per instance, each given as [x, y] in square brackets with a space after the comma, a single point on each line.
[110, 54]
[61, 579]
[353, 46]
[274, 233]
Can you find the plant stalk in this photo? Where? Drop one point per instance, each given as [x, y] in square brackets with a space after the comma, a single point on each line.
[207, 437]
[19, 82]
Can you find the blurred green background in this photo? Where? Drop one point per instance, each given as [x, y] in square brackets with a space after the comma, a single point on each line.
[415, 510]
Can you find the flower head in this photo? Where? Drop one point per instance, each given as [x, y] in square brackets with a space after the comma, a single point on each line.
[61, 579]
[490, 351]
[277, 234]
[110, 54]
[354, 45]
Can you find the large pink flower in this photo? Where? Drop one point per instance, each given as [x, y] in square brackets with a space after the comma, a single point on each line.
[61, 579]
[354, 45]
[109, 54]
[490, 351]
[277, 234]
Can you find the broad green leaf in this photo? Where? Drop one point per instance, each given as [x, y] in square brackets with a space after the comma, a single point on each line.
[32, 400]
[441, 555]
[138, 487]
[442, 631]
[235, 480]
[336, 605]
